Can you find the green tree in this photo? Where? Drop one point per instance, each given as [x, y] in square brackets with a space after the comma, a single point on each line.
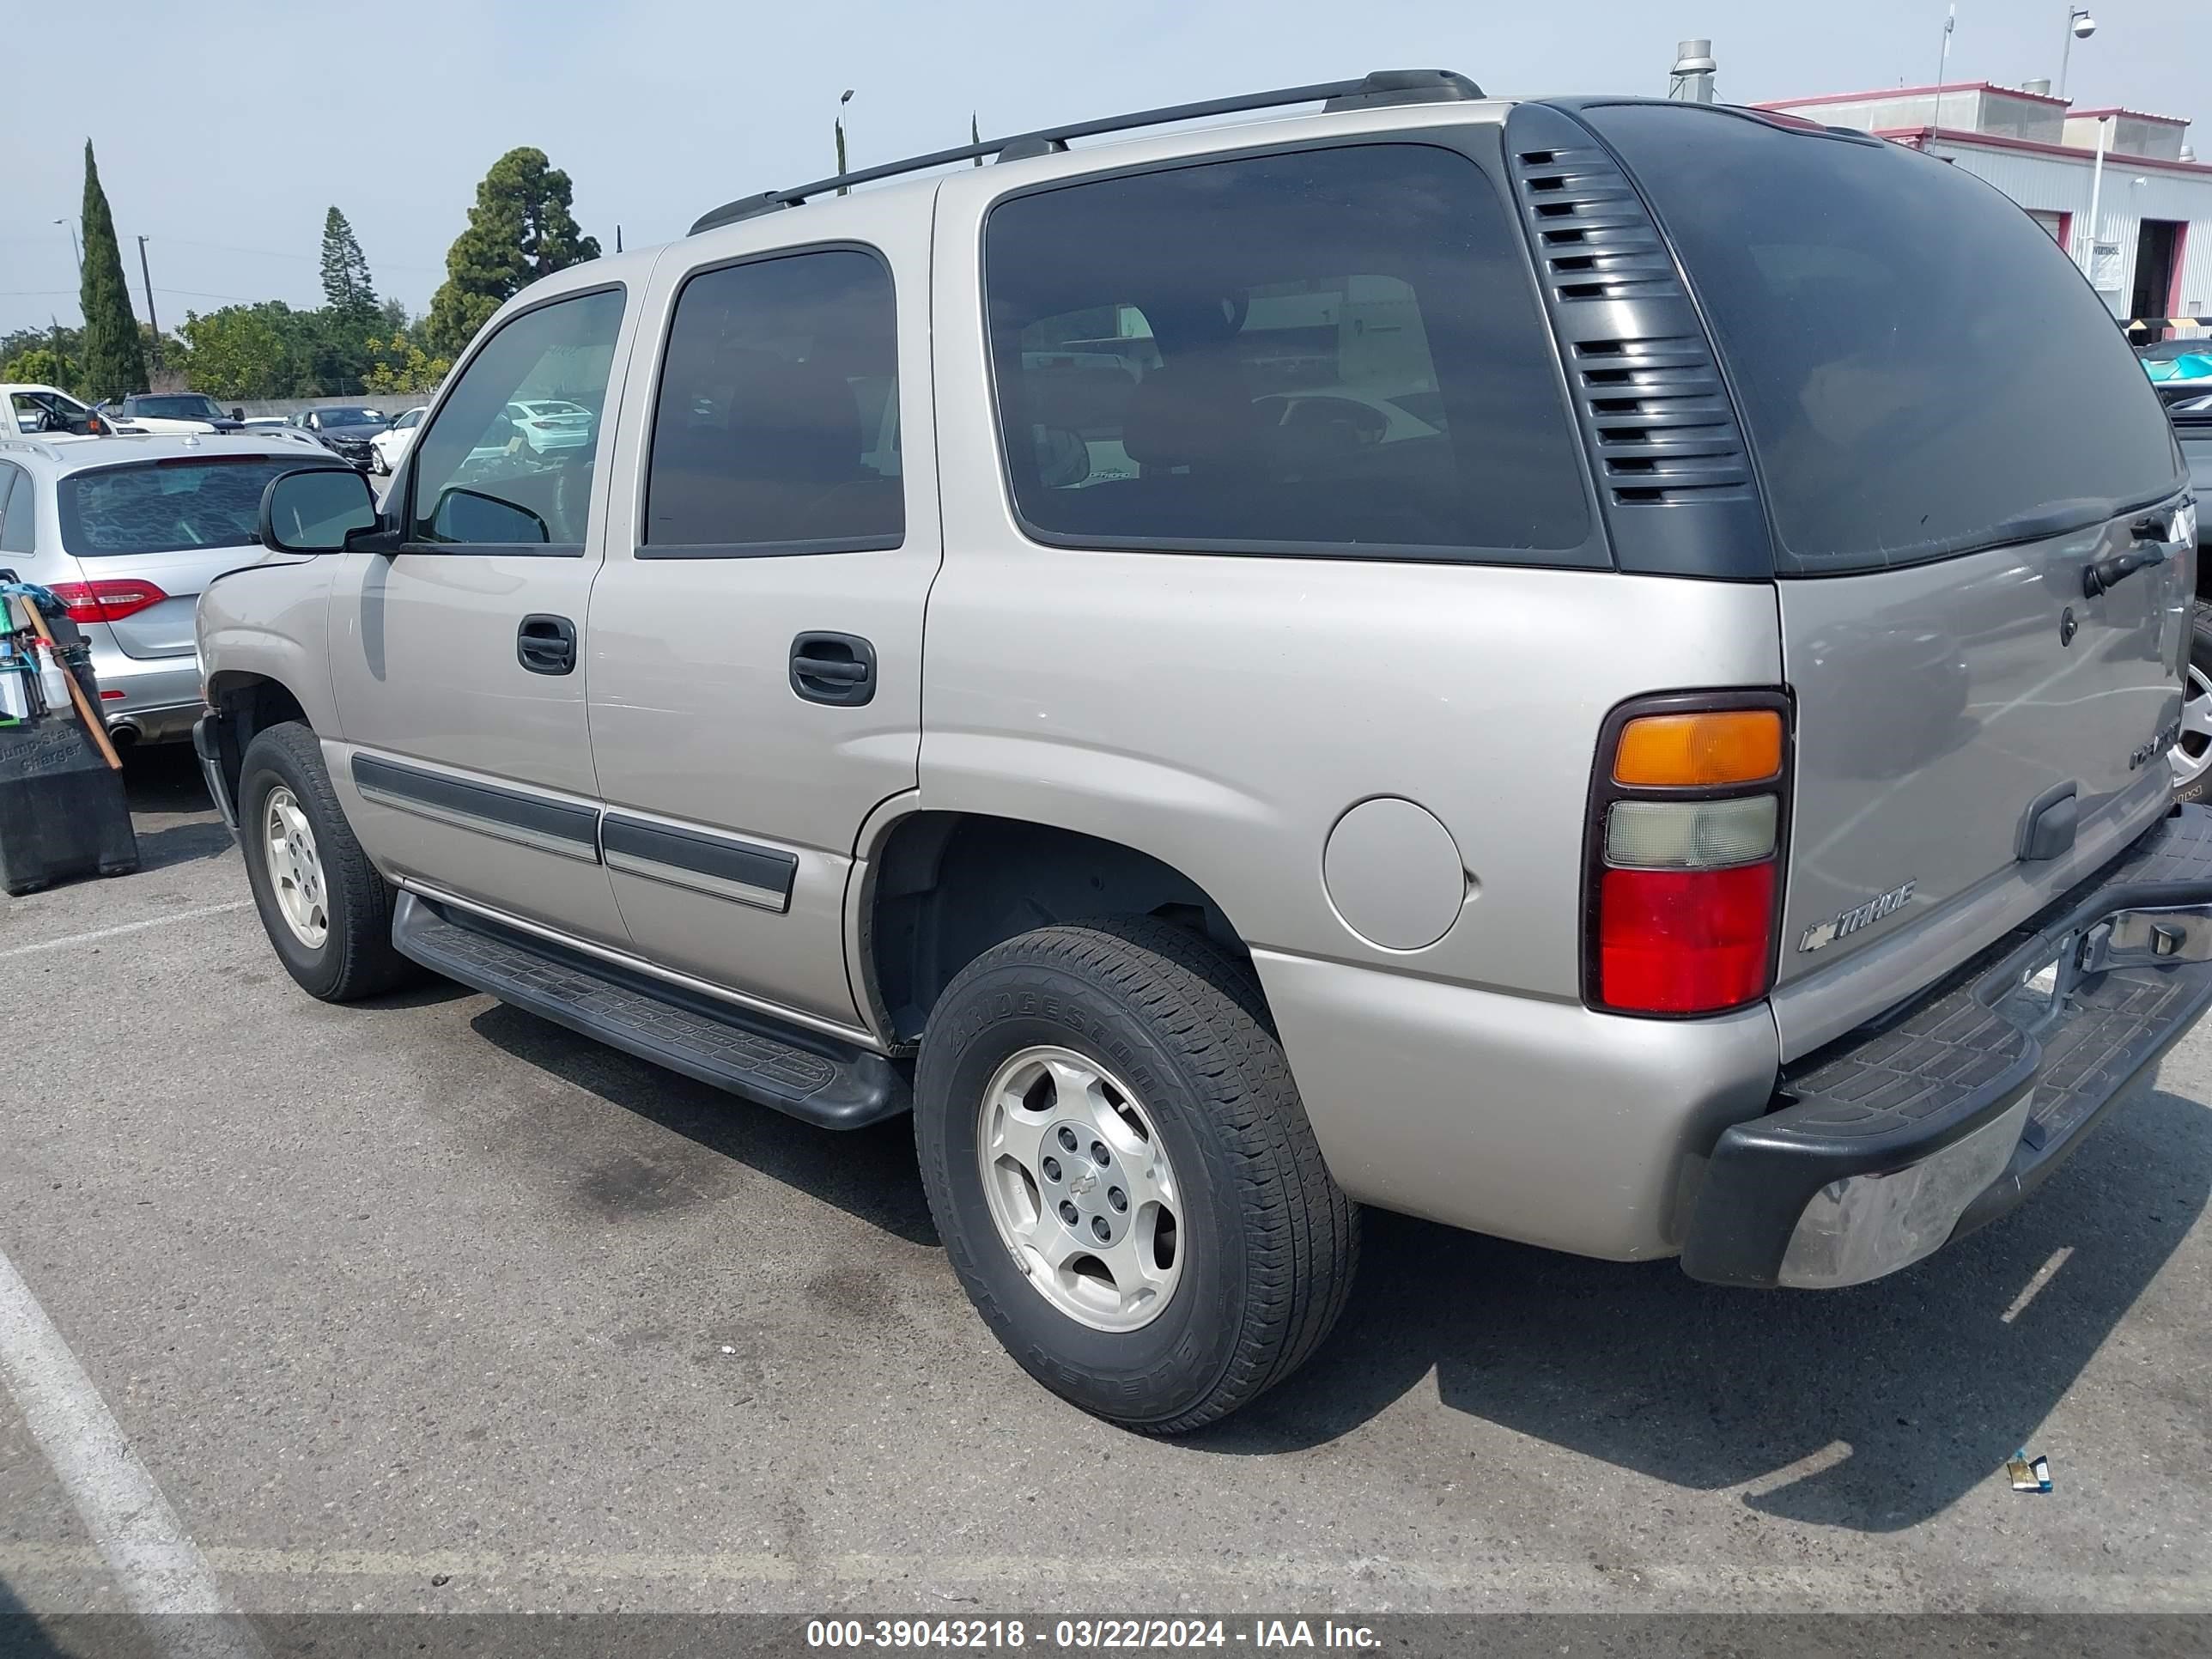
[69, 342]
[520, 229]
[404, 366]
[40, 366]
[346, 284]
[114, 360]
[248, 351]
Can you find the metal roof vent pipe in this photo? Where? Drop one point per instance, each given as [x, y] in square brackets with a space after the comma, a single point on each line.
[1691, 80]
[2187, 153]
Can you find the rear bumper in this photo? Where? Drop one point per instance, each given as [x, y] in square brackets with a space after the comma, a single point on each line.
[154, 698]
[1945, 1114]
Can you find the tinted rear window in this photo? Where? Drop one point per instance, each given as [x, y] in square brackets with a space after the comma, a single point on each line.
[1334, 352]
[1922, 371]
[163, 507]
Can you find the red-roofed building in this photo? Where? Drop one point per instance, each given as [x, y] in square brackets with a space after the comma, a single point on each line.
[2152, 253]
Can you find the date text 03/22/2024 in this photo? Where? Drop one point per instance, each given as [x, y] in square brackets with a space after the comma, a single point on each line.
[1085, 1635]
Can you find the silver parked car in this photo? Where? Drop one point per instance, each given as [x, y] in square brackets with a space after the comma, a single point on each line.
[1543, 665]
[127, 530]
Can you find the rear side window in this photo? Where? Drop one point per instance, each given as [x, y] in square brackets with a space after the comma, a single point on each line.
[18, 510]
[1922, 371]
[166, 506]
[776, 426]
[1336, 351]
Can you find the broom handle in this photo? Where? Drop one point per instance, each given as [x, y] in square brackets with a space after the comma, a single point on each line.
[93, 724]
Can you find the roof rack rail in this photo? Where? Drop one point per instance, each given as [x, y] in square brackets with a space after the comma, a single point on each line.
[1382, 87]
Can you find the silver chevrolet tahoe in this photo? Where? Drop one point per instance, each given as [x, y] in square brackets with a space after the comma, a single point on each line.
[1550, 665]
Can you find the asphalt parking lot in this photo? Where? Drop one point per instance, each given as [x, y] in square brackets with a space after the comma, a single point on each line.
[426, 1305]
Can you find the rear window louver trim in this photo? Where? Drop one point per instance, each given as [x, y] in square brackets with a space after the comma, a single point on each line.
[1649, 396]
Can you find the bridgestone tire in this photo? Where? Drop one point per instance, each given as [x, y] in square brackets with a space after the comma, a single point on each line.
[1270, 1243]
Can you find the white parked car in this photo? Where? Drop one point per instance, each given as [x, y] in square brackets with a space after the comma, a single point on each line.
[391, 444]
[550, 423]
[170, 411]
[44, 409]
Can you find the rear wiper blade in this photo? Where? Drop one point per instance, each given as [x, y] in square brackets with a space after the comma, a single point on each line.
[2053, 519]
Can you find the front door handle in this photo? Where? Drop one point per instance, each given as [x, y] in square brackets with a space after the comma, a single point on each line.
[546, 644]
[839, 669]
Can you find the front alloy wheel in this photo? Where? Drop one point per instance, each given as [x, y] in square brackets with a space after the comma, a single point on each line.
[295, 872]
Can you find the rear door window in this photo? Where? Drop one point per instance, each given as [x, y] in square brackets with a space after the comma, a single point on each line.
[1334, 351]
[776, 426]
[1924, 373]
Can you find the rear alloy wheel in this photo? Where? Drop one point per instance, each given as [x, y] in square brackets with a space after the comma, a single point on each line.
[1123, 1174]
[2191, 754]
[1081, 1188]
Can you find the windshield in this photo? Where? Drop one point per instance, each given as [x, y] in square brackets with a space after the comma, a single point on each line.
[1919, 365]
[2165, 351]
[195, 407]
[350, 417]
[161, 507]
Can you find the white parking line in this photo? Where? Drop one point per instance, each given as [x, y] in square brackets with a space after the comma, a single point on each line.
[2043, 1276]
[99, 934]
[157, 1568]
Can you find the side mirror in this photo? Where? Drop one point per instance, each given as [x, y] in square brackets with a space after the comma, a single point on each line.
[237, 414]
[470, 515]
[316, 509]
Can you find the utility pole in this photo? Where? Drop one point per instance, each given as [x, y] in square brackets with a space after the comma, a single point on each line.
[146, 271]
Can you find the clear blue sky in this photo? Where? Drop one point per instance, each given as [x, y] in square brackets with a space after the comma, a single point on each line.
[225, 131]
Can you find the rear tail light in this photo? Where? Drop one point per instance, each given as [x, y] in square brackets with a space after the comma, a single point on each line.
[108, 601]
[1689, 808]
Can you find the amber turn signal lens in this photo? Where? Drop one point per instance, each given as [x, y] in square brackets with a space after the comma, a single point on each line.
[1732, 745]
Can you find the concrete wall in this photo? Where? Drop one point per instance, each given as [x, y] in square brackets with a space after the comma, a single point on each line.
[391, 403]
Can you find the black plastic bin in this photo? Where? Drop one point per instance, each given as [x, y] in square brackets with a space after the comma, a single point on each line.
[62, 807]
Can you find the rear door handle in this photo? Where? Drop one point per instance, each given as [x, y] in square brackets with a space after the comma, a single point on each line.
[546, 644]
[839, 669]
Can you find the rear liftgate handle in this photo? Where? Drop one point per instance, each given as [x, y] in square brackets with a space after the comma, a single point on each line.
[546, 644]
[839, 669]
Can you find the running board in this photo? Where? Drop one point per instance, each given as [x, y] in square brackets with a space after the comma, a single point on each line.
[811, 1076]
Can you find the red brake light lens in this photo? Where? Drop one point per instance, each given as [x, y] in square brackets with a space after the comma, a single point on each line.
[1689, 811]
[1685, 941]
[109, 600]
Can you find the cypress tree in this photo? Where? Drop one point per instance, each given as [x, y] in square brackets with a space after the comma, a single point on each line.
[114, 358]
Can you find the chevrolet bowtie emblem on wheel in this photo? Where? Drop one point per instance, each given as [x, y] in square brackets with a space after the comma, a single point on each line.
[1884, 904]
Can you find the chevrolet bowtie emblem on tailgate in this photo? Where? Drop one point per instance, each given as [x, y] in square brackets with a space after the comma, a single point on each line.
[1884, 904]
